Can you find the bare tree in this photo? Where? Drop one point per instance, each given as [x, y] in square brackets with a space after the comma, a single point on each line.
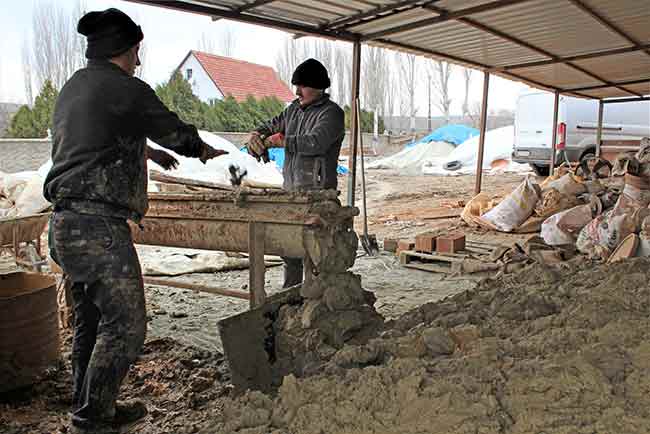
[57, 50]
[391, 90]
[140, 72]
[27, 72]
[342, 74]
[332, 55]
[474, 113]
[440, 73]
[227, 41]
[375, 78]
[206, 44]
[467, 76]
[408, 69]
[288, 59]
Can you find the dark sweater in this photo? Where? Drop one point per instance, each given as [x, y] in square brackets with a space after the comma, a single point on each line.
[101, 121]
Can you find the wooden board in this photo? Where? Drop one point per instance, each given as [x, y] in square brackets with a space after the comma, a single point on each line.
[443, 213]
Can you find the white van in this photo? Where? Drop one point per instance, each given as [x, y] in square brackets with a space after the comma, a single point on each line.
[577, 125]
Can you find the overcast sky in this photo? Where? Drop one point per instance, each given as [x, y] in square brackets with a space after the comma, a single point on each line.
[169, 35]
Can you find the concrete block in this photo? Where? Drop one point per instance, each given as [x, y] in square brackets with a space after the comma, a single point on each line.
[450, 243]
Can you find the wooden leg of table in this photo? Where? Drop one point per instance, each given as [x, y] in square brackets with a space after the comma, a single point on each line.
[257, 268]
[308, 266]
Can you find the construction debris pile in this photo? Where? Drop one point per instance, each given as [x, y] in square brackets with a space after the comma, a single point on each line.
[578, 208]
[536, 351]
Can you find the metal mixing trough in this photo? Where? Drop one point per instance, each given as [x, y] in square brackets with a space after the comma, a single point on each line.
[274, 223]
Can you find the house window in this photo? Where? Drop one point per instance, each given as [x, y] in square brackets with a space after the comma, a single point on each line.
[188, 73]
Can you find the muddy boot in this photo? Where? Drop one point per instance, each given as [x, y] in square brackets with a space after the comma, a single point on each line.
[128, 412]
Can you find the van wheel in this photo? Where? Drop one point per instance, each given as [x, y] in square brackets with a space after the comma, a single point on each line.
[540, 170]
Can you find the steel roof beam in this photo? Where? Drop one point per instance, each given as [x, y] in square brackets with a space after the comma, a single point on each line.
[253, 5]
[375, 14]
[604, 86]
[446, 16]
[607, 23]
[521, 43]
[287, 26]
[578, 57]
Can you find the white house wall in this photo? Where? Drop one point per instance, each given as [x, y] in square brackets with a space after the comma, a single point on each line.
[202, 85]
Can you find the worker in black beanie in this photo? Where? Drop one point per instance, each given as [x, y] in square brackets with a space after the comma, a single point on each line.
[311, 130]
[98, 180]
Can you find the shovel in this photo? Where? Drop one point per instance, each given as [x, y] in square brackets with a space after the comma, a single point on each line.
[368, 242]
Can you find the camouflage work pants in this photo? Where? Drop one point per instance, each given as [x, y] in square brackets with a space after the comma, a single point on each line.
[98, 256]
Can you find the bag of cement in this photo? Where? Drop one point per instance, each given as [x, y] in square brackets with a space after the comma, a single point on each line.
[634, 195]
[30, 200]
[564, 227]
[12, 184]
[567, 185]
[625, 163]
[643, 155]
[477, 206]
[604, 233]
[553, 202]
[516, 208]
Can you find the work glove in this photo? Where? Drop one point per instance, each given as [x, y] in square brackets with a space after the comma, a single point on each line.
[209, 153]
[275, 141]
[255, 144]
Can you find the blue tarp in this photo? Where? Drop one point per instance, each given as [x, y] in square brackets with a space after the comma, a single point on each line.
[277, 155]
[454, 134]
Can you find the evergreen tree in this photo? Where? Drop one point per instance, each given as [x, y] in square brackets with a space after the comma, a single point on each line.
[367, 121]
[34, 122]
[44, 109]
[22, 124]
[177, 95]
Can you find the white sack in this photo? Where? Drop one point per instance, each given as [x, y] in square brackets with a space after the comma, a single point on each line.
[515, 209]
[563, 228]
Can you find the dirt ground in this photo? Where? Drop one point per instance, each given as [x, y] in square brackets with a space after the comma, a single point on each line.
[182, 374]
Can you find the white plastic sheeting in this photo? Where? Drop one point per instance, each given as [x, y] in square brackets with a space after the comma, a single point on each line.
[411, 159]
[498, 146]
[21, 194]
[216, 170]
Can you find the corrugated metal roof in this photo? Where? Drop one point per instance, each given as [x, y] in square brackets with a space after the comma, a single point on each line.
[499, 36]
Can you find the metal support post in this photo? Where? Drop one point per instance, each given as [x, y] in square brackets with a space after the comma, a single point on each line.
[599, 131]
[354, 122]
[481, 142]
[556, 106]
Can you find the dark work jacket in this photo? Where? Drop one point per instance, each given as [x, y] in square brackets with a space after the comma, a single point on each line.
[313, 136]
[101, 121]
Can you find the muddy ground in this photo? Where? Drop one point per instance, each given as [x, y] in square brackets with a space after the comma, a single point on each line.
[182, 374]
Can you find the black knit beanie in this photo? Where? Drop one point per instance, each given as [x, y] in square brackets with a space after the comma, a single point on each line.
[109, 33]
[311, 73]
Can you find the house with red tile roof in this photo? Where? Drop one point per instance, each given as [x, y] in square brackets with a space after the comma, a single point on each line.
[215, 77]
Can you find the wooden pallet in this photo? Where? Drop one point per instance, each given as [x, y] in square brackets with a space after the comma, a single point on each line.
[443, 262]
